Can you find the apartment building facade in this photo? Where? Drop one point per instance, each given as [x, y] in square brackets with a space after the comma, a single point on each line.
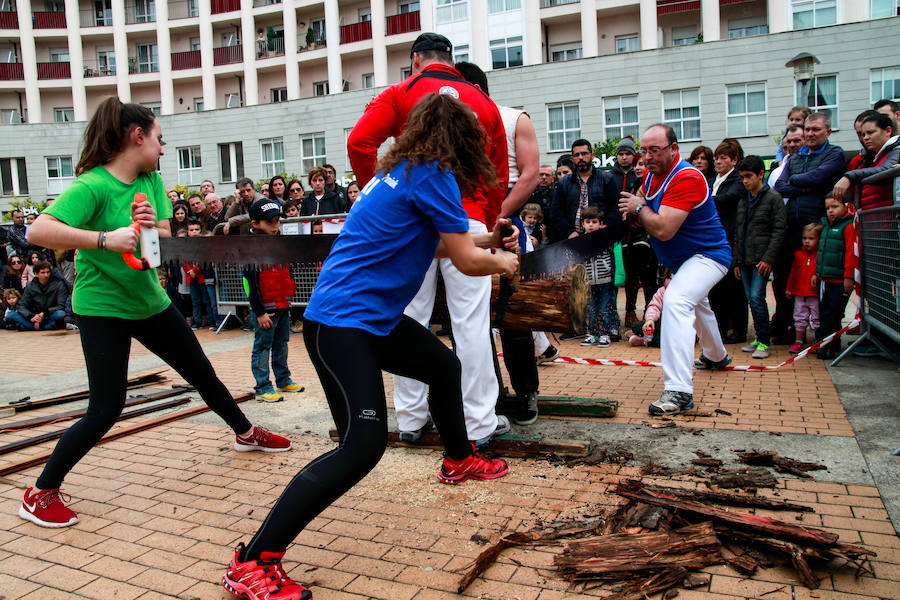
[256, 86]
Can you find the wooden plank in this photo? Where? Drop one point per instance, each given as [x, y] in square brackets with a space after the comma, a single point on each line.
[133, 383]
[516, 445]
[564, 406]
[41, 458]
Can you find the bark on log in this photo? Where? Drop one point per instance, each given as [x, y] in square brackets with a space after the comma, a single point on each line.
[747, 478]
[728, 499]
[782, 464]
[558, 304]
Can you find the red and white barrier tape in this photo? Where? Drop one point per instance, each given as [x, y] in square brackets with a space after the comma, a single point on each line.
[604, 362]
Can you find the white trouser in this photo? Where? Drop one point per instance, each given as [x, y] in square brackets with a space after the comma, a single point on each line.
[469, 304]
[686, 309]
[541, 343]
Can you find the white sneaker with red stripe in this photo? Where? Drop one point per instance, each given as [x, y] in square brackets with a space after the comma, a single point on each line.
[263, 440]
[262, 579]
[46, 508]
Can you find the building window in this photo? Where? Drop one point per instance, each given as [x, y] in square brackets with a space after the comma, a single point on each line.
[506, 53]
[563, 125]
[620, 116]
[408, 7]
[144, 11]
[499, 6]
[884, 8]
[13, 176]
[279, 94]
[821, 95]
[461, 53]
[189, 166]
[365, 14]
[63, 115]
[230, 39]
[739, 28]
[368, 80]
[627, 43]
[320, 88]
[155, 107]
[681, 111]
[232, 100]
[59, 174]
[106, 62]
[564, 54]
[198, 104]
[58, 55]
[347, 131]
[194, 44]
[148, 58]
[272, 157]
[449, 11]
[102, 12]
[312, 151]
[193, 8]
[318, 27]
[55, 5]
[684, 36]
[885, 84]
[814, 13]
[231, 161]
[747, 109]
[10, 116]
[405, 72]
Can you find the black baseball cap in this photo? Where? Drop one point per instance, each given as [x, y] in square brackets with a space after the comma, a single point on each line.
[431, 41]
[264, 210]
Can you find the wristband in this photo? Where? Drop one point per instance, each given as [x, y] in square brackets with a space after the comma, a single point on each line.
[101, 240]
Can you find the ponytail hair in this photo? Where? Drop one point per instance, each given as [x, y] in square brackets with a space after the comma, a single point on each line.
[108, 129]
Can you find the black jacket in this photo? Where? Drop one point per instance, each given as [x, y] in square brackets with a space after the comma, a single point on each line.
[727, 197]
[330, 204]
[804, 182]
[759, 228]
[39, 298]
[602, 193]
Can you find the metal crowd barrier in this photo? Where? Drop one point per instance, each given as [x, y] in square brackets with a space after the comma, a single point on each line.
[230, 292]
[879, 233]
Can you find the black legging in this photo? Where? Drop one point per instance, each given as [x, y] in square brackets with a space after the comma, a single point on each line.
[106, 342]
[640, 271]
[349, 363]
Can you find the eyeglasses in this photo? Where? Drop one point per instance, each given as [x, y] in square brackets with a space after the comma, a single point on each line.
[654, 151]
[15, 262]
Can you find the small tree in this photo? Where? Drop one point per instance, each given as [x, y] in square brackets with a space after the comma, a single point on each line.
[25, 205]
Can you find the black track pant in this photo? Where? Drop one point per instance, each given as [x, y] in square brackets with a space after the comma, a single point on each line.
[640, 271]
[349, 363]
[518, 356]
[106, 342]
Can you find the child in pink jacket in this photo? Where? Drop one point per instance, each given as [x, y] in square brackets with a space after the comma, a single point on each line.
[646, 331]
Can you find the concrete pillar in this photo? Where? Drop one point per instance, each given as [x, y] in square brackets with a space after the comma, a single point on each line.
[29, 62]
[778, 16]
[333, 47]
[291, 72]
[479, 51]
[649, 35]
[248, 41]
[120, 45]
[590, 40]
[164, 46]
[710, 22]
[534, 54]
[76, 60]
[379, 50]
[206, 56]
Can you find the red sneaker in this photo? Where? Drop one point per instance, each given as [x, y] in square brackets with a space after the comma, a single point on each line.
[262, 579]
[796, 348]
[474, 466]
[262, 439]
[46, 508]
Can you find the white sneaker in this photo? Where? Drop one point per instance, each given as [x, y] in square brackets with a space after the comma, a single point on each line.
[762, 351]
[603, 341]
[502, 429]
[589, 341]
[751, 347]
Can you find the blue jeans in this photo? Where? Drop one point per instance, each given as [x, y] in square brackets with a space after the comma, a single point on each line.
[52, 321]
[200, 302]
[755, 290]
[213, 307]
[603, 319]
[274, 341]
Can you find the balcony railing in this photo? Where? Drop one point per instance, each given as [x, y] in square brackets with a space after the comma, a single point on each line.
[49, 20]
[186, 60]
[11, 71]
[93, 68]
[265, 2]
[270, 48]
[227, 55]
[53, 70]
[403, 23]
[549, 3]
[356, 32]
[9, 20]
[222, 6]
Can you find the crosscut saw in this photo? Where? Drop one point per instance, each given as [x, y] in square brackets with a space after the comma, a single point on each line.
[246, 251]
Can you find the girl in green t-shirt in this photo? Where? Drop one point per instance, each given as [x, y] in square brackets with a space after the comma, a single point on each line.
[113, 303]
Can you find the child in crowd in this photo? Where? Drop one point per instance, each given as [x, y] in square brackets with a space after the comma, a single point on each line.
[800, 285]
[270, 294]
[196, 282]
[316, 227]
[759, 229]
[836, 267]
[11, 298]
[645, 332]
[290, 209]
[600, 276]
[533, 220]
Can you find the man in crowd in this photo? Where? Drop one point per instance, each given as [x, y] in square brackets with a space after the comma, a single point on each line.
[468, 298]
[586, 187]
[543, 193]
[237, 217]
[808, 176]
[688, 238]
[207, 187]
[16, 240]
[332, 186]
[197, 204]
[43, 302]
[890, 108]
[216, 210]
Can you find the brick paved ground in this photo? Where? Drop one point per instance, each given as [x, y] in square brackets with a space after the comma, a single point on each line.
[162, 510]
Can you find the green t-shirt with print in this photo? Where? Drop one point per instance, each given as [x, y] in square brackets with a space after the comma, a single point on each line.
[105, 285]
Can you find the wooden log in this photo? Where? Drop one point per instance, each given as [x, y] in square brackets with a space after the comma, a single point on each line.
[728, 499]
[741, 521]
[133, 383]
[748, 478]
[558, 304]
[782, 464]
[115, 434]
[564, 406]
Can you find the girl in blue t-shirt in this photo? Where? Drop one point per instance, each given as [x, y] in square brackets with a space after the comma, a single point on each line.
[355, 328]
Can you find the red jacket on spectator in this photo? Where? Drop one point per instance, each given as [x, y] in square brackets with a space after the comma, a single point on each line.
[187, 268]
[799, 281]
[385, 116]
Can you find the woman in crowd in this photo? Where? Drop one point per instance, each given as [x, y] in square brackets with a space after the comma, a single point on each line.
[640, 168]
[295, 191]
[354, 326]
[564, 166]
[179, 220]
[352, 192]
[278, 189]
[115, 303]
[882, 147]
[320, 201]
[14, 276]
[702, 158]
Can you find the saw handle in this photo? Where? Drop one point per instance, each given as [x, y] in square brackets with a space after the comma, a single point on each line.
[138, 264]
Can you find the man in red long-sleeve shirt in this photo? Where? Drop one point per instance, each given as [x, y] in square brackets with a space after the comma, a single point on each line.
[468, 298]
